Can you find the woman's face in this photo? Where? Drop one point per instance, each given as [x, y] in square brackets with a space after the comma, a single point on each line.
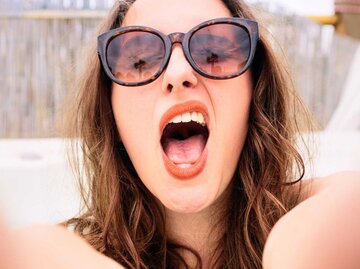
[187, 173]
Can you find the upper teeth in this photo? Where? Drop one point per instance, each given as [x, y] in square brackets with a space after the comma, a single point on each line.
[189, 116]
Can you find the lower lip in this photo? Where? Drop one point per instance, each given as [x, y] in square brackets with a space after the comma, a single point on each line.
[189, 172]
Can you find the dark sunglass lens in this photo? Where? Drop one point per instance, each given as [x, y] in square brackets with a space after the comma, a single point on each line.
[135, 56]
[220, 49]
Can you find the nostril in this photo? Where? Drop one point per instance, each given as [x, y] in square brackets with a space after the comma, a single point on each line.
[170, 87]
[186, 84]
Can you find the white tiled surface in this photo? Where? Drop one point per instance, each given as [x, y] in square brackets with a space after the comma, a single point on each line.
[36, 185]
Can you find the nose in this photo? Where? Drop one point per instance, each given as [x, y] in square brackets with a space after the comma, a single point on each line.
[179, 74]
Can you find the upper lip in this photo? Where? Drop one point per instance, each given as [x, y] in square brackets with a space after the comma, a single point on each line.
[178, 109]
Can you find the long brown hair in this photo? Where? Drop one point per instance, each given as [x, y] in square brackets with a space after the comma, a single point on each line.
[123, 220]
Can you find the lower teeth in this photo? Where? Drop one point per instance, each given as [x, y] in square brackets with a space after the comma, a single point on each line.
[184, 165]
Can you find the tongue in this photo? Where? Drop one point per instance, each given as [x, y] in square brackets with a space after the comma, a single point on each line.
[186, 151]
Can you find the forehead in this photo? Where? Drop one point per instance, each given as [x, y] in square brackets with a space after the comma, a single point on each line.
[175, 15]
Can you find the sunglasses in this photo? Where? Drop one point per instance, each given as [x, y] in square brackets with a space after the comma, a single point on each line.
[218, 49]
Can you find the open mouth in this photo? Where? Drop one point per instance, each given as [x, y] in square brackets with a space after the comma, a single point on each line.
[184, 140]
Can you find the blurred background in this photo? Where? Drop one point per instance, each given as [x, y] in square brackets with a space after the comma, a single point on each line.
[41, 51]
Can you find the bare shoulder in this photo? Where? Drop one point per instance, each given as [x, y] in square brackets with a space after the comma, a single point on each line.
[312, 187]
[48, 246]
[323, 230]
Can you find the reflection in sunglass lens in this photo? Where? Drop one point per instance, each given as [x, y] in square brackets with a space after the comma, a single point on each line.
[220, 49]
[135, 56]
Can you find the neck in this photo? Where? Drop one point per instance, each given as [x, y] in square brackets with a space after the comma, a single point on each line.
[195, 230]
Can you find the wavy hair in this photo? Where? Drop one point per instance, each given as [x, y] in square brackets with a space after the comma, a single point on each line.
[124, 221]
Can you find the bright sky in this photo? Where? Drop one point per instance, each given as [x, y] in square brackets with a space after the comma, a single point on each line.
[305, 7]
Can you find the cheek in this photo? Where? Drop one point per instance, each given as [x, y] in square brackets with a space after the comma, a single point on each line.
[237, 128]
[239, 108]
[233, 104]
[132, 114]
[232, 107]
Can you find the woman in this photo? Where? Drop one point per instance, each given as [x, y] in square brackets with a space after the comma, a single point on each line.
[187, 135]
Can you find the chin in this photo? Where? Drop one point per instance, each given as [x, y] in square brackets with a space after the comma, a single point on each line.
[188, 201]
[187, 208]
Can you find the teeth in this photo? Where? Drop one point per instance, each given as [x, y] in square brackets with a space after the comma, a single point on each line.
[177, 119]
[194, 116]
[186, 117]
[189, 116]
[201, 119]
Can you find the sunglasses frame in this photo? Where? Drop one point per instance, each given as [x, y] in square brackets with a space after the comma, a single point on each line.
[104, 40]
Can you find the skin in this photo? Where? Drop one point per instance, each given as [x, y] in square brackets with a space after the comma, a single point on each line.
[138, 110]
[45, 246]
[303, 238]
[322, 232]
[189, 203]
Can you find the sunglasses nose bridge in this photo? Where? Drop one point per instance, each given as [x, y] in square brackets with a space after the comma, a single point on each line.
[176, 38]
